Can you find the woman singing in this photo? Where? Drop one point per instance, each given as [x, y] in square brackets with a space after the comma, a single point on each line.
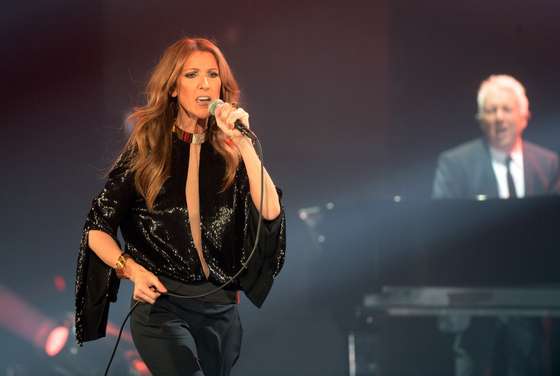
[185, 194]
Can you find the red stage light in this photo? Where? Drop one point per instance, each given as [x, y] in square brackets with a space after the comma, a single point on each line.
[140, 367]
[59, 283]
[56, 340]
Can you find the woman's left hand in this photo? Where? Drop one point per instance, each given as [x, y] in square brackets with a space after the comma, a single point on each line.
[226, 115]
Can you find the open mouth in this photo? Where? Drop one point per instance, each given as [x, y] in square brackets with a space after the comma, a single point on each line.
[203, 100]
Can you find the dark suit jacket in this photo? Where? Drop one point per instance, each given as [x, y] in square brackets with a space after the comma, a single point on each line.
[466, 171]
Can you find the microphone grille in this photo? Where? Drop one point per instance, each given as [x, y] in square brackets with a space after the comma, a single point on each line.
[213, 105]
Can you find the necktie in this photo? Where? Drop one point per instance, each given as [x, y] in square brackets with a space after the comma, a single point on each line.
[511, 186]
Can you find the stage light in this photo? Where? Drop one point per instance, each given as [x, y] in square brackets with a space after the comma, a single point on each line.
[56, 340]
[137, 366]
[140, 367]
[59, 283]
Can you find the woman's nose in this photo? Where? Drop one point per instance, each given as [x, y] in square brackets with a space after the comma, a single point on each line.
[204, 82]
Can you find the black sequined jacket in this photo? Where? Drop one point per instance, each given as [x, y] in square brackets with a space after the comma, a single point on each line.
[161, 240]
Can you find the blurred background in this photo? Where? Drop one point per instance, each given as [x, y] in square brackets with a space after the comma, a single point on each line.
[353, 101]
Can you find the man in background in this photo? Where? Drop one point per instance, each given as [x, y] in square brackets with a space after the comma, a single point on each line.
[500, 165]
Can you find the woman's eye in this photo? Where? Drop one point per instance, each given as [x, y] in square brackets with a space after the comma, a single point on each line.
[214, 74]
[190, 74]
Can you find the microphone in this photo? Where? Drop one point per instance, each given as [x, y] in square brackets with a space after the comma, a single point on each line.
[238, 124]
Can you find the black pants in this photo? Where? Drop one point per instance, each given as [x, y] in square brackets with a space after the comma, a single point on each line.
[165, 331]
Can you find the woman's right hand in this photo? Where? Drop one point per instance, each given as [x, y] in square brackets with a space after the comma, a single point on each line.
[147, 287]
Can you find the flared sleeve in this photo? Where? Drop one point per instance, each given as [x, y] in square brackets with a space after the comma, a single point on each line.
[96, 283]
[267, 261]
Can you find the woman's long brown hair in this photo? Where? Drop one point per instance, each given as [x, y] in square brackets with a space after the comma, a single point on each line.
[151, 137]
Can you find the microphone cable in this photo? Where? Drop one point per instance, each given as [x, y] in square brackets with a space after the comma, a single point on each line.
[241, 269]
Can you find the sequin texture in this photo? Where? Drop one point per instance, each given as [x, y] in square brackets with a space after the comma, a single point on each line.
[161, 241]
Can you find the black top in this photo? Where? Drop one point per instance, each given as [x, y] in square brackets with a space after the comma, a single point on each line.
[161, 240]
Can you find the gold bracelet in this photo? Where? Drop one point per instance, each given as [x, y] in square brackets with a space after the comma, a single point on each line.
[121, 262]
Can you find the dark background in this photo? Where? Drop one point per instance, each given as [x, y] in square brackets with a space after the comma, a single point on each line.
[352, 101]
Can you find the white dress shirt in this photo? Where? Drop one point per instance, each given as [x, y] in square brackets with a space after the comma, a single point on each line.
[516, 168]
